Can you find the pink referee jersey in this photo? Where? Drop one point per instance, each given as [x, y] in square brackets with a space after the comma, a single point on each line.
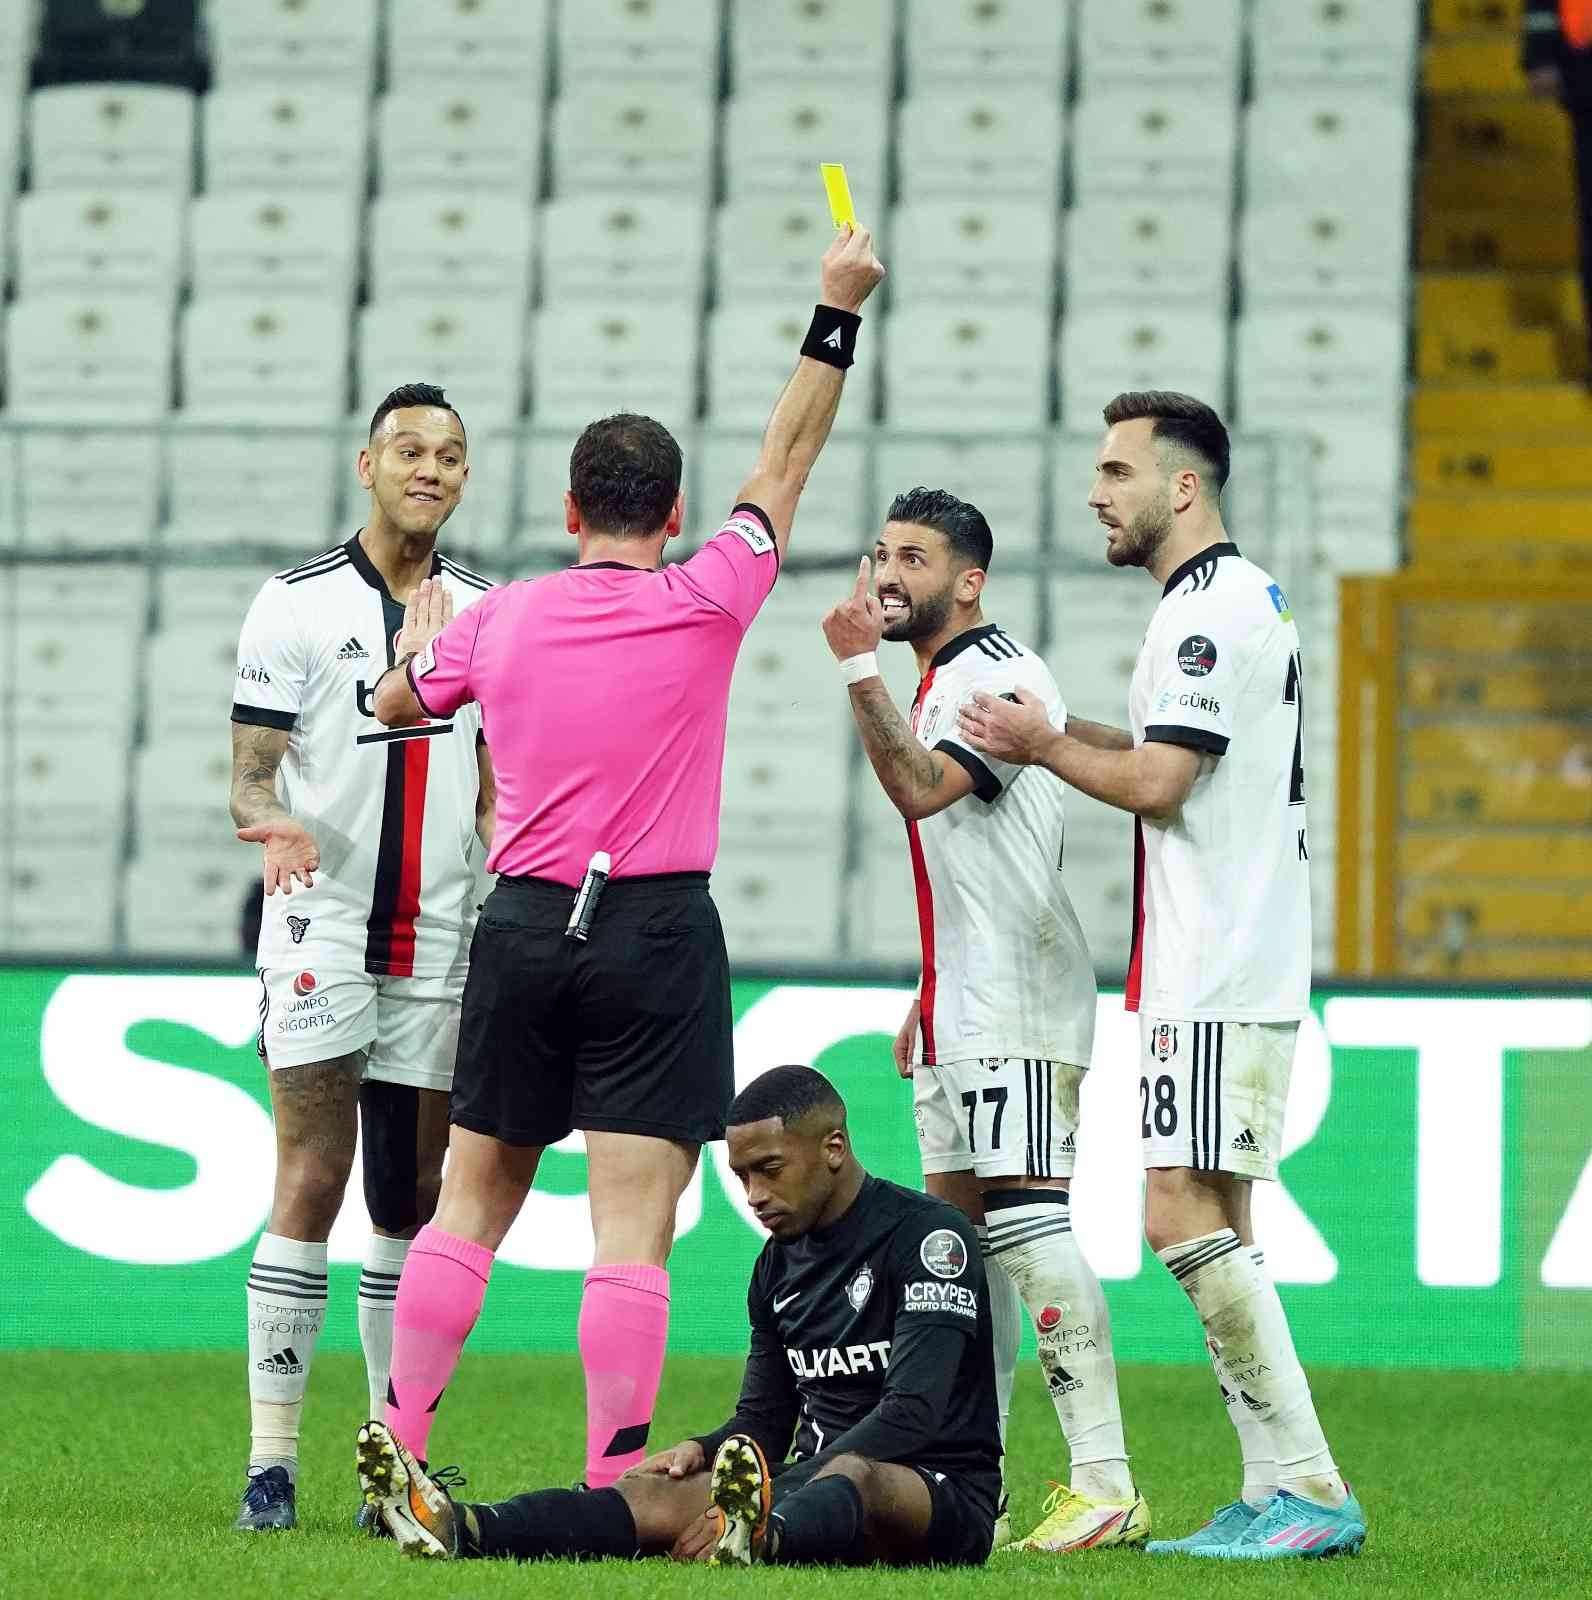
[603, 692]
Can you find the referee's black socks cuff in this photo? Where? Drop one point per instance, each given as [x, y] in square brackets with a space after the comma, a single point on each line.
[832, 337]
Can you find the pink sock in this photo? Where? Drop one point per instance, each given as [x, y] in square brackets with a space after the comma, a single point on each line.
[624, 1328]
[439, 1297]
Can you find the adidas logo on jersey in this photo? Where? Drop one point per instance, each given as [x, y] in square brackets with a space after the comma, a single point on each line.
[1247, 1142]
[283, 1363]
[353, 650]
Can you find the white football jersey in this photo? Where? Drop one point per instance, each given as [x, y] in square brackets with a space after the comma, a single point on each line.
[1006, 970]
[392, 809]
[1222, 890]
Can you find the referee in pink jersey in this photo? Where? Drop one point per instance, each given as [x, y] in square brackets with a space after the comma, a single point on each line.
[603, 692]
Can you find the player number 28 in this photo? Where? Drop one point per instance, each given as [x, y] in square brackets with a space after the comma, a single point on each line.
[1163, 1115]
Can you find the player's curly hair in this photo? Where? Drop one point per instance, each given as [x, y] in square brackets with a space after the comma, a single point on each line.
[962, 523]
[413, 394]
[789, 1093]
[624, 474]
[1183, 422]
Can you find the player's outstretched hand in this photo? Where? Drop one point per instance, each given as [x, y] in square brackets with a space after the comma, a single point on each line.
[905, 1039]
[850, 271]
[700, 1539]
[290, 853]
[856, 625]
[429, 611]
[1010, 730]
[678, 1461]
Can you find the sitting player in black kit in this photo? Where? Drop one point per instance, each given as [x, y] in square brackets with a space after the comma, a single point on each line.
[871, 1364]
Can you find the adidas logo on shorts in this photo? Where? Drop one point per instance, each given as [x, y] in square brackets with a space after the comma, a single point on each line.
[1248, 1143]
[1070, 1143]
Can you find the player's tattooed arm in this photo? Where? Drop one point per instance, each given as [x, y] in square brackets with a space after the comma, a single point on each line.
[919, 782]
[1099, 735]
[290, 853]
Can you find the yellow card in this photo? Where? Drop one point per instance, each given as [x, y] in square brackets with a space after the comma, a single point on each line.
[839, 192]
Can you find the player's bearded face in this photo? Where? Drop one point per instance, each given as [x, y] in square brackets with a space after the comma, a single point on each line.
[1135, 542]
[913, 607]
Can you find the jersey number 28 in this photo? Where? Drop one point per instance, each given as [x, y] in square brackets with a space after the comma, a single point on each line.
[1293, 694]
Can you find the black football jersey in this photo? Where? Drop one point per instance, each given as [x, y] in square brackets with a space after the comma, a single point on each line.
[836, 1312]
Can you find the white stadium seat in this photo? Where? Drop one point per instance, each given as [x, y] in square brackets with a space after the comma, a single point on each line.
[42, 902]
[673, 45]
[1004, 478]
[751, 351]
[225, 483]
[785, 783]
[251, 359]
[190, 670]
[817, 41]
[292, 41]
[100, 242]
[473, 347]
[983, 252]
[87, 358]
[613, 248]
[459, 136]
[1310, 252]
[61, 684]
[833, 518]
[210, 887]
[482, 522]
[309, 137]
[1154, 252]
[589, 360]
[1108, 349]
[470, 41]
[180, 781]
[112, 135]
[775, 908]
[1336, 42]
[212, 590]
[949, 363]
[544, 476]
[450, 243]
[277, 242]
[1296, 367]
[1187, 42]
[636, 138]
[1332, 147]
[775, 135]
[1016, 42]
[767, 247]
[983, 142]
[82, 490]
[1137, 140]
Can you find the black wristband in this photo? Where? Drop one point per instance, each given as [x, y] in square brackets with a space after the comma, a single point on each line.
[832, 338]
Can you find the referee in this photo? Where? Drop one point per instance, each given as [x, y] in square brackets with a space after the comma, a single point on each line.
[598, 996]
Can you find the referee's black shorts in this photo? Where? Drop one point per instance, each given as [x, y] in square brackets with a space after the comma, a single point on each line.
[628, 1032]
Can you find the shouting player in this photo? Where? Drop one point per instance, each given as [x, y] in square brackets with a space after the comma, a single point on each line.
[1220, 974]
[372, 838]
[999, 1038]
[870, 1362]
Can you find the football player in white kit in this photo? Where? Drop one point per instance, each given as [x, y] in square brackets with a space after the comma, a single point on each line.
[999, 1038]
[1213, 770]
[375, 839]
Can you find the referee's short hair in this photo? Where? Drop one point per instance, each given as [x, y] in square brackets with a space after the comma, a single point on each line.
[1184, 423]
[413, 394]
[963, 524]
[624, 475]
[789, 1093]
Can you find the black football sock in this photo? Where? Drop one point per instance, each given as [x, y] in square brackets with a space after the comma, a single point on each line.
[551, 1522]
[822, 1521]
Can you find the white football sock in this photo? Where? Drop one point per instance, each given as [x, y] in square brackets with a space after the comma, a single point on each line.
[1246, 1332]
[1030, 1232]
[1254, 1443]
[287, 1305]
[378, 1294]
[1006, 1324]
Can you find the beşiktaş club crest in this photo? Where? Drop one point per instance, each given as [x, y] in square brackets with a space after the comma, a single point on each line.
[1165, 1041]
[298, 927]
[860, 1287]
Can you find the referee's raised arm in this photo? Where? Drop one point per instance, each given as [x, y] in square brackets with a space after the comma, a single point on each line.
[805, 412]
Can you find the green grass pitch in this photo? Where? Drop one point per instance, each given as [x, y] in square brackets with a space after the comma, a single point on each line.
[122, 1474]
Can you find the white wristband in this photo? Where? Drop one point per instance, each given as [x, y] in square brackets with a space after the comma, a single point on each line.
[855, 668]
